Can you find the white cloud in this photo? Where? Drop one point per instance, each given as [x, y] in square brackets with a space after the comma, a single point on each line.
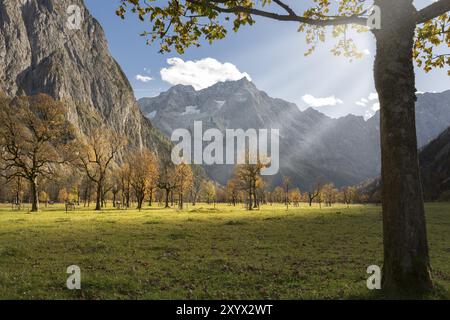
[371, 104]
[200, 74]
[144, 79]
[372, 111]
[368, 115]
[320, 102]
[361, 103]
[373, 96]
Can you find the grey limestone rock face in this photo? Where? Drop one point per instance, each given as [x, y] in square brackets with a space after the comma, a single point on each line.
[41, 53]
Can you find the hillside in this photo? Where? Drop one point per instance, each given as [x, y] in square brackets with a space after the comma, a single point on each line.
[435, 166]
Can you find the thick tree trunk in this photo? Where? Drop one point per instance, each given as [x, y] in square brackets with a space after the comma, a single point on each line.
[255, 197]
[140, 200]
[98, 204]
[406, 260]
[194, 199]
[180, 201]
[34, 195]
[255, 201]
[167, 198]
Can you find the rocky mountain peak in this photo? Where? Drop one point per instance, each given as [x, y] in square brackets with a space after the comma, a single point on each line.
[181, 88]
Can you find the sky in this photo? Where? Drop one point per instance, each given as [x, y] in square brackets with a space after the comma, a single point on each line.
[269, 53]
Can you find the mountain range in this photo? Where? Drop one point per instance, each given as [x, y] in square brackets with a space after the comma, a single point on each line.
[313, 146]
[40, 53]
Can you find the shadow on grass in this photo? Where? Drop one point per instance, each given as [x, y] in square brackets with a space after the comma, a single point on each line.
[438, 293]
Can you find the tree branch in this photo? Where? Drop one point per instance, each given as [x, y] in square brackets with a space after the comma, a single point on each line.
[433, 11]
[285, 7]
[290, 17]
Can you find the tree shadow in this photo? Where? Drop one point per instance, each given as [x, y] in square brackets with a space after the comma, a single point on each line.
[438, 293]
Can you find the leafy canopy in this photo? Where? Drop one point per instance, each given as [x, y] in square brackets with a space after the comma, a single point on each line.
[179, 24]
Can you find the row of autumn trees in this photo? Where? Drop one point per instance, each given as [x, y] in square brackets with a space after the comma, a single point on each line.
[248, 186]
[38, 146]
[41, 153]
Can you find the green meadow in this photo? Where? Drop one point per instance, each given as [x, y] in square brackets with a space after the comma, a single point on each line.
[204, 252]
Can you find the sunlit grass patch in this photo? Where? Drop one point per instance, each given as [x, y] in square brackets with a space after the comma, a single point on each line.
[202, 252]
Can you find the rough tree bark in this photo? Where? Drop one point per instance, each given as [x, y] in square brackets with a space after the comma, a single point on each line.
[140, 200]
[167, 198]
[34, 195]
[406, 260]
[98, 203]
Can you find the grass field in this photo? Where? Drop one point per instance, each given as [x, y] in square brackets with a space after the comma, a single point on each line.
[203, 253]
